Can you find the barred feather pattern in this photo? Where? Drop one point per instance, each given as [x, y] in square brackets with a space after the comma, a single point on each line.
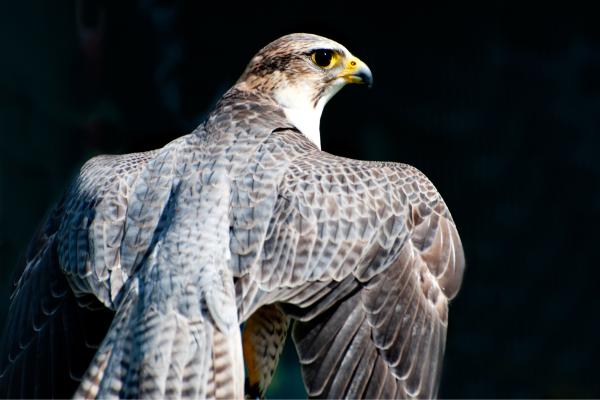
[373, 236]
[169, 251]
[263, 339]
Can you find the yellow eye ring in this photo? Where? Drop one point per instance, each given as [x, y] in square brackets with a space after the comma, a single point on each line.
[324, 58]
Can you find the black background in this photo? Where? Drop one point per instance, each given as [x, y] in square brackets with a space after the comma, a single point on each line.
[498, 105]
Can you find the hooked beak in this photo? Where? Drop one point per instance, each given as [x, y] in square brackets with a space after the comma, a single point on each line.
[357, 71]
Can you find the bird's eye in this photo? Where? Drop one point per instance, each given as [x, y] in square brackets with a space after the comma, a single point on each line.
[324, 58]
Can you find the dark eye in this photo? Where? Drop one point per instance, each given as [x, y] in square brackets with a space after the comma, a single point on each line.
[324, 58]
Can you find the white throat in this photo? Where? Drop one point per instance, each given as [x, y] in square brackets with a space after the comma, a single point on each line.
[307, 120]
[299, 108]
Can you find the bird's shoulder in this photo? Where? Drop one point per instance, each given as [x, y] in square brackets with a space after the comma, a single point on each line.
[395, 203]
[335, 216]
[365, 255]
[102, 208]
[391, 187]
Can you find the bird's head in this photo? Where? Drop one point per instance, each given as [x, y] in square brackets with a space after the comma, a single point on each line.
[301, 72]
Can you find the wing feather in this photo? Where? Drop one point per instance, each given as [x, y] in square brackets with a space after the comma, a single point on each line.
[55, 321]
[90, 236]
[381, 246]
[50, 335]
[263, 339]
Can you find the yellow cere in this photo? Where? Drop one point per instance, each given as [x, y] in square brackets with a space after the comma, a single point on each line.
[349, 70]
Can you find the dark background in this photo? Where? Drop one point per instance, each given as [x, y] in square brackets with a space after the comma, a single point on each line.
[498, 105]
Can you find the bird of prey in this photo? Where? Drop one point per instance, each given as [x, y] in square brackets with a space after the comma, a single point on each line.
[137, 283]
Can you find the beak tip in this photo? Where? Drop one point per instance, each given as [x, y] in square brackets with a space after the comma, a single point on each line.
[367, 78]
[365, 75]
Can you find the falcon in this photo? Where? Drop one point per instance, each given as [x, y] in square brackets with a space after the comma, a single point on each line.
[138, 282]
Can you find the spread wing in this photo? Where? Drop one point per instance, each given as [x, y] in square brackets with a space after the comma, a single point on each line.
[98, 302]
[175, 332]
[51, 335]
[366, 257]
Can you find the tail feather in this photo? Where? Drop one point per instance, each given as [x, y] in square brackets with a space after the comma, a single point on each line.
[152, 353]
[227, 358]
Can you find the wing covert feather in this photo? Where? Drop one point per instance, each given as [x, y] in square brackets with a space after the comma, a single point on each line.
[56, 322]
[97, 220]
[384, 228]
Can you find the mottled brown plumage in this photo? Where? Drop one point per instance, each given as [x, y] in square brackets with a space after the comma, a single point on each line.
[245, 219]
